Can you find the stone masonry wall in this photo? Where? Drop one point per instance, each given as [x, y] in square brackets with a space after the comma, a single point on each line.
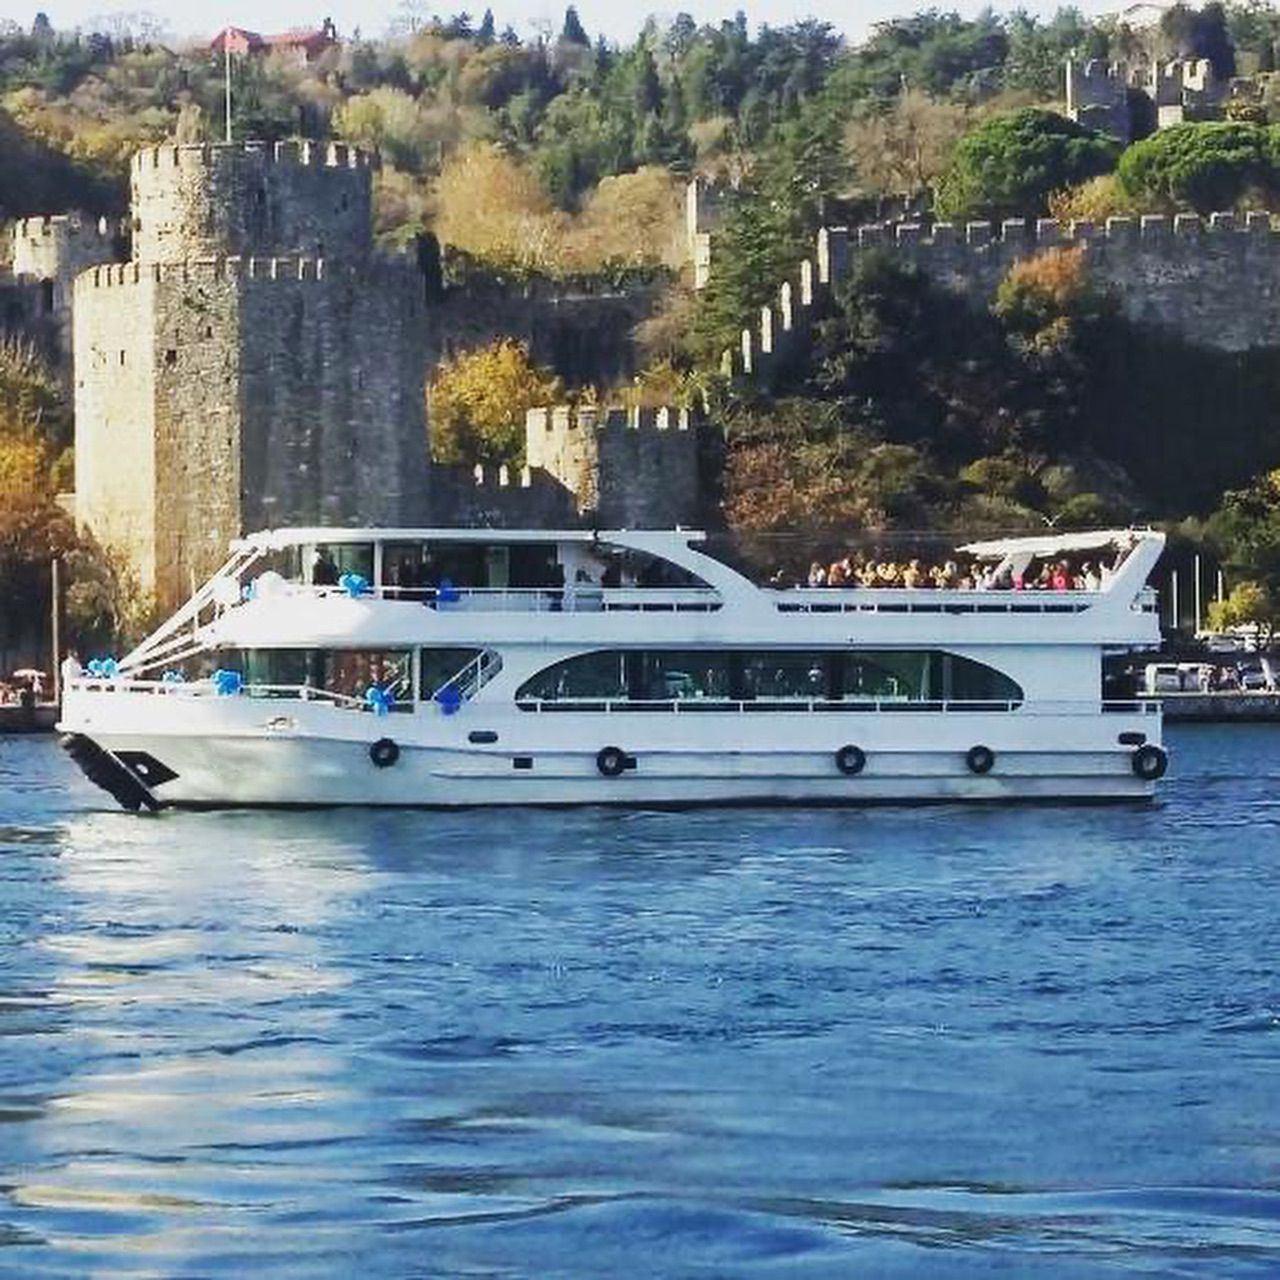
[255, 198]
[285, 391]
[116, 494]
[1215, 282]
[627, 469]
[48, 254]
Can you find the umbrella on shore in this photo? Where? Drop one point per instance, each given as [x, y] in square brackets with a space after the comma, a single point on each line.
[28, 673]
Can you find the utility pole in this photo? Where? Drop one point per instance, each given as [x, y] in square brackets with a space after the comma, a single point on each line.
[54, 629]
[226, 75]
[1198, 600]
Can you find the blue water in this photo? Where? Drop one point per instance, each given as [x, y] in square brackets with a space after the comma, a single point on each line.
[921, 1042]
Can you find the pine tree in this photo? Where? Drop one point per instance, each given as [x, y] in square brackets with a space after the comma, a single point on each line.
[574, 32]
[485, 35]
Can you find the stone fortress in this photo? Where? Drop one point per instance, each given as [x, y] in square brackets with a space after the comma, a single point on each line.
[255, 363]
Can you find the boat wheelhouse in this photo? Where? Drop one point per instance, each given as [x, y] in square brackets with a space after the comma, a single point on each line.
[475, 667]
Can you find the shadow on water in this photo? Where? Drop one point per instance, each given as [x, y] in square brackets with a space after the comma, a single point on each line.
[942, 1042]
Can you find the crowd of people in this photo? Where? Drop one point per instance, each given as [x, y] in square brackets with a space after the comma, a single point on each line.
[854, 571]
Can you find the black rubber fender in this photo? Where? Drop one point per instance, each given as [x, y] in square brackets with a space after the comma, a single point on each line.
[980, 759]
[384, 753]
[851, 760]
[1149, 762]
[611, 761]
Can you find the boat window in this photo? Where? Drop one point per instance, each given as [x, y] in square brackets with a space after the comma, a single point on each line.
[407, 567]
[674, 674]
[348, 673]
[441, 667]
[327, 562]
[787, 673]
[591, 675]
[827, 675]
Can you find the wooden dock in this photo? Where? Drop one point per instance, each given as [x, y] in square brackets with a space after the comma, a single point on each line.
[37, 719]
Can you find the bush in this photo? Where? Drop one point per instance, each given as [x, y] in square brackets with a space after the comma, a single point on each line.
[1204, 166]
[1008, 166]
[1094, 201]
[477, 402]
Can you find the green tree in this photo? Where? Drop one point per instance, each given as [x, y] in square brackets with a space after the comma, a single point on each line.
[1009, 165]
[573, 31]
[1202, 166]
[771, 223]
[1246, 532]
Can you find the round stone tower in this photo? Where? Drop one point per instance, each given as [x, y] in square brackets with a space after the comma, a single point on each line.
[252, 199]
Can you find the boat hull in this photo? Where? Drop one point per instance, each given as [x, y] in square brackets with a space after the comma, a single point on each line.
[253, 771]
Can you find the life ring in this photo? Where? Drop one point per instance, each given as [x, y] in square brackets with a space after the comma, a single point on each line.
[980, 759]
[851, 760]
[384, 753]
[611, 761]
[1149, 762]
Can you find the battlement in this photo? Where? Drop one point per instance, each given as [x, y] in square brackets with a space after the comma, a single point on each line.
[53, 226]
[1184, 258]
[252, 199]
[117, 274]
[585, 418]
[1097, 74]
[301, 153]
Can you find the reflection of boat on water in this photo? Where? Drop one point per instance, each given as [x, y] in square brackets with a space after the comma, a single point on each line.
[468, 667]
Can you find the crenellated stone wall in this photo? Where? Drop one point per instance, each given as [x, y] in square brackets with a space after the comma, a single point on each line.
[1214, 282]
[500, 498]
[627, 468]
[309, 199]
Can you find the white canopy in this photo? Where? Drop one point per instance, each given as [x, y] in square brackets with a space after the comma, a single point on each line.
[1060, 544]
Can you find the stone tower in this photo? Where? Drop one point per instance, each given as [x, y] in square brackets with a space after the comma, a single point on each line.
[254, 365]
[53, 251]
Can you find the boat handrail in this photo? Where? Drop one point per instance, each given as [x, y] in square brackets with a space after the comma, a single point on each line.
[572, 599]
[1135, 706]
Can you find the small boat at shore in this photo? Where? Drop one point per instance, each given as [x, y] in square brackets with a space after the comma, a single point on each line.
[453, 667]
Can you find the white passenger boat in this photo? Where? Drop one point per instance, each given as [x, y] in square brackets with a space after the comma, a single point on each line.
[476, 667]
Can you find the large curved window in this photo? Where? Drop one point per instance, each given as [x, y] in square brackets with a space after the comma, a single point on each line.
[760, 677]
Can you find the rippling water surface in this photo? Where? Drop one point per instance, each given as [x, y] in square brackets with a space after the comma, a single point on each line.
[898, 1042]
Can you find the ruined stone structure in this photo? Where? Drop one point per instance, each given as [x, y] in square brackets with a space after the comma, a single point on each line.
[626, 468]
[254, 364]
[1111, 96]
[704, 211]
[47, 255]
[1215, 283]
[1098, 97]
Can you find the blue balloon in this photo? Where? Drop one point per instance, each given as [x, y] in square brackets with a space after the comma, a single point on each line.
[227, 683]
[173, 677]
[450, 699]
[379, 699]
[354, 584]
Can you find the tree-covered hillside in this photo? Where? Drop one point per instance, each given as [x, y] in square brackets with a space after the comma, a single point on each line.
[564, 154]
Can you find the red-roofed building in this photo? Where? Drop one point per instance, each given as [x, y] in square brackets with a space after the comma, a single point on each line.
[306, 45]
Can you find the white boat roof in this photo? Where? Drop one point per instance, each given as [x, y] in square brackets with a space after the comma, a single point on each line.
[1060, 543]
[648, 540]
